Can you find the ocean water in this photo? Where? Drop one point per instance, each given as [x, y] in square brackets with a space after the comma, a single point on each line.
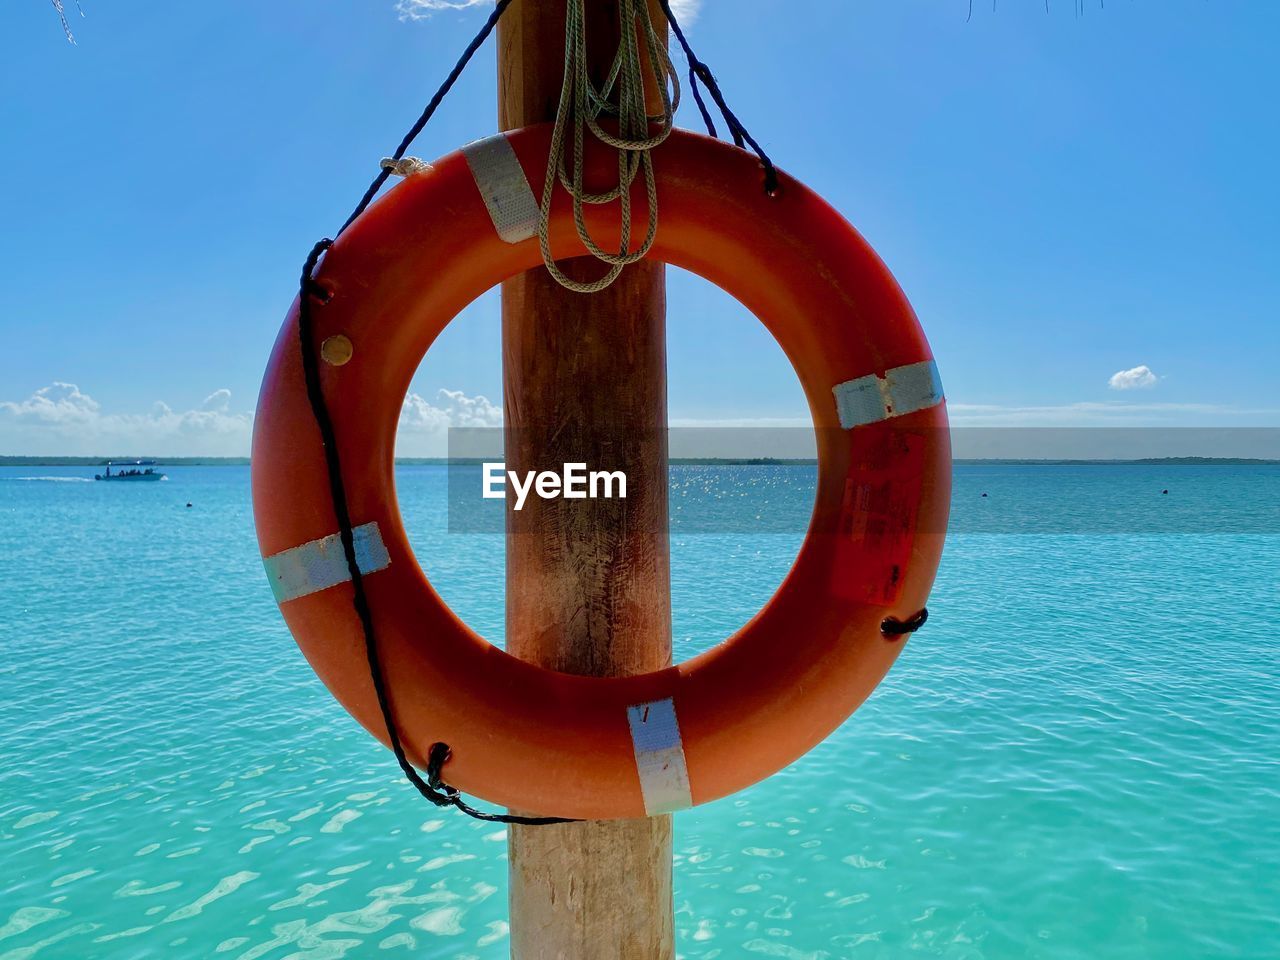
[1079, 757]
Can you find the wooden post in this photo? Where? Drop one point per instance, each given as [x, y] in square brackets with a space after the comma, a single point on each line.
[585, 381]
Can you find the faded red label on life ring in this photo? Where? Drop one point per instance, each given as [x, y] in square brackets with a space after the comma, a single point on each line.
[879, 514]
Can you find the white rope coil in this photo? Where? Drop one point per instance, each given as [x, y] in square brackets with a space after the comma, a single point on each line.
[582, 105]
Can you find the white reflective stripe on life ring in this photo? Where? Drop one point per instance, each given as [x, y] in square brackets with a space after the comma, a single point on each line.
[501, 181]
[320, 564]
[664, 776]
[901, 390]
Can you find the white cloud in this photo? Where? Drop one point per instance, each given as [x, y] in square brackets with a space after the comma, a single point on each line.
[418, 415]
[57, 403]
[1111, 413]
[686, 11]
[467, 411]
[1135, 378]
[61, 420]
[1115, 413]
[423, 428]
[218, 400]
[421, 9]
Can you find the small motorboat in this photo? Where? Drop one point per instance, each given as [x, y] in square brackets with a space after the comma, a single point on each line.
[136, 470]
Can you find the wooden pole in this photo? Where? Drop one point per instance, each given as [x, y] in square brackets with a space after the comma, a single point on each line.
[588, 581]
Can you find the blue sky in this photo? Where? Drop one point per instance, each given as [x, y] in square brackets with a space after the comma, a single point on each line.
[1063, 198]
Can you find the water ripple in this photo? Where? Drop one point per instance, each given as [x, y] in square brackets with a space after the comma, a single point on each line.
[1100, 779]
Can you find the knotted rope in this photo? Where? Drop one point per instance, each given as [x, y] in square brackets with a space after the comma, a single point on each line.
[582, 106]
[404, 166]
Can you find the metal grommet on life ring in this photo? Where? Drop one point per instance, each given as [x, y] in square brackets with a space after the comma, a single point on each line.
[587, 747]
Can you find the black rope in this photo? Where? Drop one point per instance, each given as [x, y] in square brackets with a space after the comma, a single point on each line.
[700, 71]
[893, 627]
[433, 788]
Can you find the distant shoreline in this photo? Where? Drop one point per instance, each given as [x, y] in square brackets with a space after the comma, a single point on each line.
[7, 461]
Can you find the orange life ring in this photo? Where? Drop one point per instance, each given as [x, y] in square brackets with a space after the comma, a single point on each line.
[586, 747]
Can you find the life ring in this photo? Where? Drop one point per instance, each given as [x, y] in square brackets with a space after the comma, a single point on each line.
[585, 747]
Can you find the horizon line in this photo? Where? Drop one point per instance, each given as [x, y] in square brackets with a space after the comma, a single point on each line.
[20, 460]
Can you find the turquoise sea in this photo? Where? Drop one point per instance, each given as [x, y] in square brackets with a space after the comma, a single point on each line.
[1078, 757]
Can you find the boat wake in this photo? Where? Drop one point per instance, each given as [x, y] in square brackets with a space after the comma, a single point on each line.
[50, 479]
